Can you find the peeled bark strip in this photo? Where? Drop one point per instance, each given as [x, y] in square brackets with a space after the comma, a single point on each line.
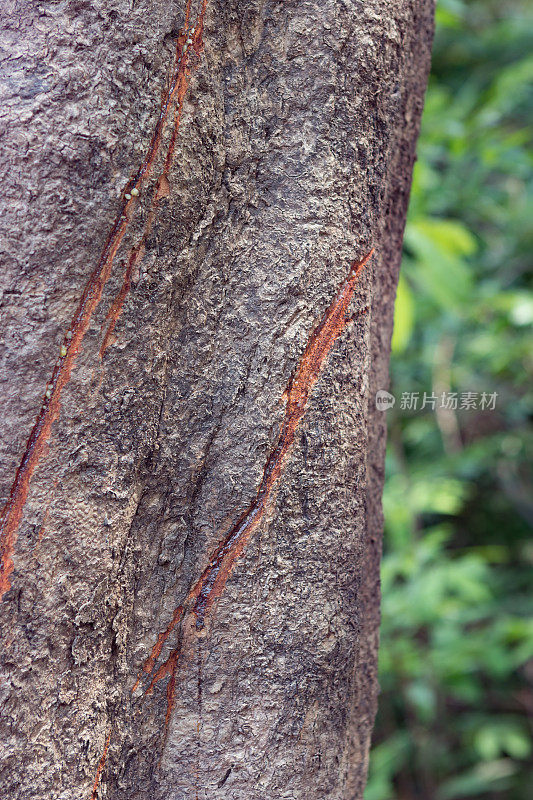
[191, 461]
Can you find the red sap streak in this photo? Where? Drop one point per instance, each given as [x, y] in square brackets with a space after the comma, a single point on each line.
[170, 668]
[43, 525]
[11, 513]
[179, 86]
[150, 662]
[136, 254]
[101, 765]
[214, 577]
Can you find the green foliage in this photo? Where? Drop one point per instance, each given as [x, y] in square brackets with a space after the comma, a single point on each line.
[456, 660]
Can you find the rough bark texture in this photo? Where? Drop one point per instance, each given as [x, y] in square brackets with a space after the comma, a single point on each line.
[293, 157]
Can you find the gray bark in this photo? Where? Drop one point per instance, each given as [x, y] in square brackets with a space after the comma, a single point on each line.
[293, 158]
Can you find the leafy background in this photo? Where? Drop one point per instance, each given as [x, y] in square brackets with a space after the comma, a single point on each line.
[456, 665]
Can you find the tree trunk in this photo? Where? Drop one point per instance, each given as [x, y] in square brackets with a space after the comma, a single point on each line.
[190, 536]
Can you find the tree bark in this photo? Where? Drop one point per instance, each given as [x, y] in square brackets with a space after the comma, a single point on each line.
[191, 533]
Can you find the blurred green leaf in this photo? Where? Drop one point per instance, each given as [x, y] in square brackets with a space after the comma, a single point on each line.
[439, 269]
[456, 654]
[491, 775]
[403, 316]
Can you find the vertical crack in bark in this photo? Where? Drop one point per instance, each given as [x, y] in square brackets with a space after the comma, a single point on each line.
[189, 41]
[190, 616]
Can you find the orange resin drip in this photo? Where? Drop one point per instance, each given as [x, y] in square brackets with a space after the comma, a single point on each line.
[211, 583]
[11, 513]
